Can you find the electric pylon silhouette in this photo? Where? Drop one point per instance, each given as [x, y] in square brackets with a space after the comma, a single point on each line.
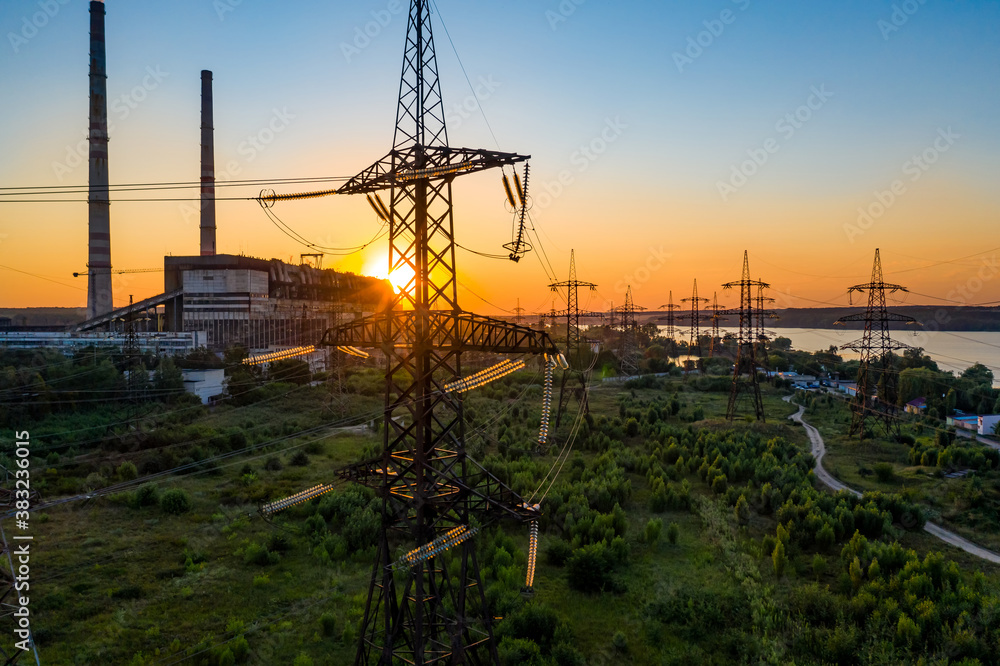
[628, 348]
[762, 334]
[716, 316]
[671, 332]
[696, 317]
[432, 607]
[876, 347]
[746, 387]
[574, 337]
[572, 287]
[518, 312]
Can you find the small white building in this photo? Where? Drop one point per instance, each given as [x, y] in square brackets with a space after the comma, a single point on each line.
[206, 384]
[987, 422]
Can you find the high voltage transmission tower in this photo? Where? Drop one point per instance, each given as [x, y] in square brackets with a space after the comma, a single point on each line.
[572, 286]
[430, 606]
[574, 336]
[628, 348]
[671, 332]
[696, 316]
[762, 333]
[875, 348]
[748, 387]
[716, 316]
[518, 312]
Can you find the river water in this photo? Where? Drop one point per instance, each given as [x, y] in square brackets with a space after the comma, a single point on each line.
[952, 350]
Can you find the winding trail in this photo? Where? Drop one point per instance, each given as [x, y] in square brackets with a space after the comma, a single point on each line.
[819, 450]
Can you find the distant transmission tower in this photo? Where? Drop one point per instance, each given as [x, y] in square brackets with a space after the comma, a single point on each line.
[746, 388]
[628, 349]
[762, 334]
[518, 312]
[696, 316]
[875, 348]
[670, 319]
[716, 316]
[574, 337]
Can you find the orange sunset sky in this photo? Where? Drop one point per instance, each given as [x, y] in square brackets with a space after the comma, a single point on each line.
[684, 134]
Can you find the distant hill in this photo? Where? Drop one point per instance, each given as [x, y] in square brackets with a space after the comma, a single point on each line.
[43, 316]
[947, 318]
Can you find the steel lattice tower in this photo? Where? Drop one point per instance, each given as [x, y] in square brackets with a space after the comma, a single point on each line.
[875, 348]
[671, 327]
[628, 350]
[746, 344]
[762, 334]
[716, 316]
[430, 611]
[574, 337]
[696, 318]
[572, 287]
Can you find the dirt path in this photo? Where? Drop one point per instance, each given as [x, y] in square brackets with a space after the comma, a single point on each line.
[819, 450]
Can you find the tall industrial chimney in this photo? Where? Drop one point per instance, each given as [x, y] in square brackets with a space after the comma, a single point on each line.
[99, 299]
[207, 167]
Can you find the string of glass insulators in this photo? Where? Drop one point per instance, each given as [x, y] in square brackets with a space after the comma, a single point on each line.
[278, 355]
[449, 539]
[353, 351]
[483, 377]
[532, 555]
[543, 426]
[298, 498]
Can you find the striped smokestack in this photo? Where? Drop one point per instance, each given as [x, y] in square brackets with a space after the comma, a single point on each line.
[99, 299]
[207, 167]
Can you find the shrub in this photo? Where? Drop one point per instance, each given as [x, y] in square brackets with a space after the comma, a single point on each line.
[558, 552]
[884, 472]
[127, 471]
[620, 642]
[278, 542]
[257, 554]
[590, 568]
[653, 529]
[818, 565]
[145, 495]
[672, 533]
[327, 624]
[300, 459]
[779, 559]
[273, 464]
[175, 501]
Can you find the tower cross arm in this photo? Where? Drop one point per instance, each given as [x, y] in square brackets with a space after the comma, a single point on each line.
[878, 286]
[400, 167]
[888, 316]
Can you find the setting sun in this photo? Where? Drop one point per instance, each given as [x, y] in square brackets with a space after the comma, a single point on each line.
[379, 267]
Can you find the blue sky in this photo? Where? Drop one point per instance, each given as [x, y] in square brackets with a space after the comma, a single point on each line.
[557, 75]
